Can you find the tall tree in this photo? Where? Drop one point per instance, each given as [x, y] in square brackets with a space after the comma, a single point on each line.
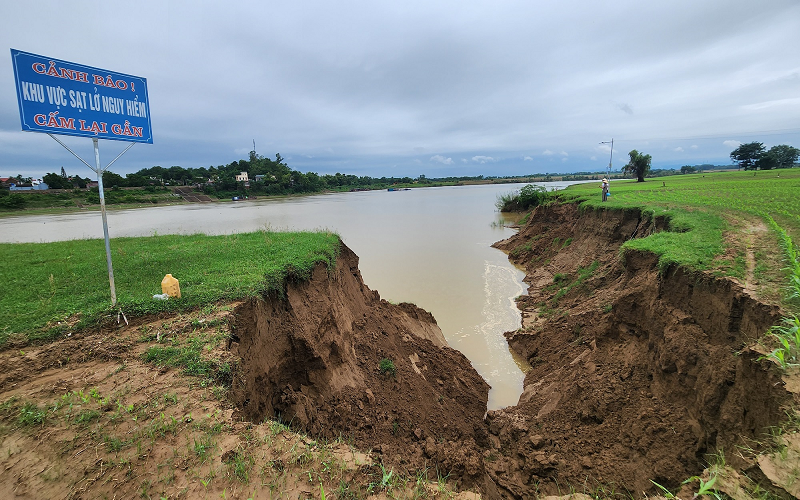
[639, 165]
[780, 156]
[55, 181]
[748, 154]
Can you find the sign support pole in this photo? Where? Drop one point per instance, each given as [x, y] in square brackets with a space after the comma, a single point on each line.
[99, 171]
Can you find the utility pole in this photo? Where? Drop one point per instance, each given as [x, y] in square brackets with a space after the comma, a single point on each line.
[610, 158]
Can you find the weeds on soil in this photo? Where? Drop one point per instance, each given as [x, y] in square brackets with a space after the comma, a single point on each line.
[386, 367]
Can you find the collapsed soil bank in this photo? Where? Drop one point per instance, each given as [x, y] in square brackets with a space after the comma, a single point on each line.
[313, 359]
[636, 374]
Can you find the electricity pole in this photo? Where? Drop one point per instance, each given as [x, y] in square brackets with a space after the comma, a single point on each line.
[610, 158]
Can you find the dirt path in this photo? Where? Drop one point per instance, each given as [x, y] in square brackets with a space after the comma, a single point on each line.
[752, 233]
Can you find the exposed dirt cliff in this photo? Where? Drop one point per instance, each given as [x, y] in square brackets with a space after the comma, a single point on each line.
[313, 358]
[636, 374]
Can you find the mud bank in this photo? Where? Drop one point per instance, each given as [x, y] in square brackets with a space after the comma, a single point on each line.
[637, 375]
[313, 359]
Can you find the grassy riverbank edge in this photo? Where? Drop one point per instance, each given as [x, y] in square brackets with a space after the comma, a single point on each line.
[715, 222]
[55, 288]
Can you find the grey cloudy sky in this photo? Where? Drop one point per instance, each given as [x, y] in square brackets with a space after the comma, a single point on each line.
[422, 87]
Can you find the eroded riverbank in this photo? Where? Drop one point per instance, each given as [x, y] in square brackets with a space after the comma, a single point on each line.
[638, 374]
[634, 378]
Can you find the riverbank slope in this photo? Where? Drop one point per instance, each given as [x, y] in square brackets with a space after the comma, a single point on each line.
[639, 374]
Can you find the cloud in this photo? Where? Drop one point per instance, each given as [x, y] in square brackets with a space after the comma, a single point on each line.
[527, 158]
[679, 149]
[441, 159]
[360, 87]
[593, 158]
[694, 146]
[626, 108]
[483, 159]
[732, 143]
[564, 159]
[564, 153]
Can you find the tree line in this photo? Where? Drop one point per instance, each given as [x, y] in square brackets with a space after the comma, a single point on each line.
[750, 156]
[754, 156]
[265, 176]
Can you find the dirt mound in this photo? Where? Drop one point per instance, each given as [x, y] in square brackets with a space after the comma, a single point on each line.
[334, 359]
[635, 373]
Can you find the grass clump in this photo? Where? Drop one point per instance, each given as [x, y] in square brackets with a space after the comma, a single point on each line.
[52, 288]
[693, 240]
[386, 367]
[564, 285]
[30, 414]
[191, 360]
[528, 197]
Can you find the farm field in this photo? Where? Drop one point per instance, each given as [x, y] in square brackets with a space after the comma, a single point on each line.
[772, 192]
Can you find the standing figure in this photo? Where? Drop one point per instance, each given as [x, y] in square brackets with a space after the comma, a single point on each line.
[604, 185]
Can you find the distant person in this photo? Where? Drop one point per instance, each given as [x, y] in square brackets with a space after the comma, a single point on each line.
[604, 185]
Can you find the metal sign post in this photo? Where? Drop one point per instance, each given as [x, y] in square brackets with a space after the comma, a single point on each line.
[105, 222]
[60, 97]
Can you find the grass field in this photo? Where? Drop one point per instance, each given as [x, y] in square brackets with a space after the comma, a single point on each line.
[709, 215]
[774, 192]
[51, 287]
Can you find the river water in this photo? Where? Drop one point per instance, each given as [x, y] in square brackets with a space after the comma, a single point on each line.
[427, 246]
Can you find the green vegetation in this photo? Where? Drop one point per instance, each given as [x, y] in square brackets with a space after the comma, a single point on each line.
[696, 206]
[528, 197]
[189, 358]
[52, 288]
[787, 336]
[753, 155]
[564, 284]
[30, 414]
[638, 165]
[792, 257]
[75, 198]
[386, 367]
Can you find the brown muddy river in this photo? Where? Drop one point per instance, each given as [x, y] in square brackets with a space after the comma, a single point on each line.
[427, 246]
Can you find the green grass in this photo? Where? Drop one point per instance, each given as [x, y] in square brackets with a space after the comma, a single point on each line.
[563, 284]
[191, 360]
[70, 200]
[50, 288]
[695, 206]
